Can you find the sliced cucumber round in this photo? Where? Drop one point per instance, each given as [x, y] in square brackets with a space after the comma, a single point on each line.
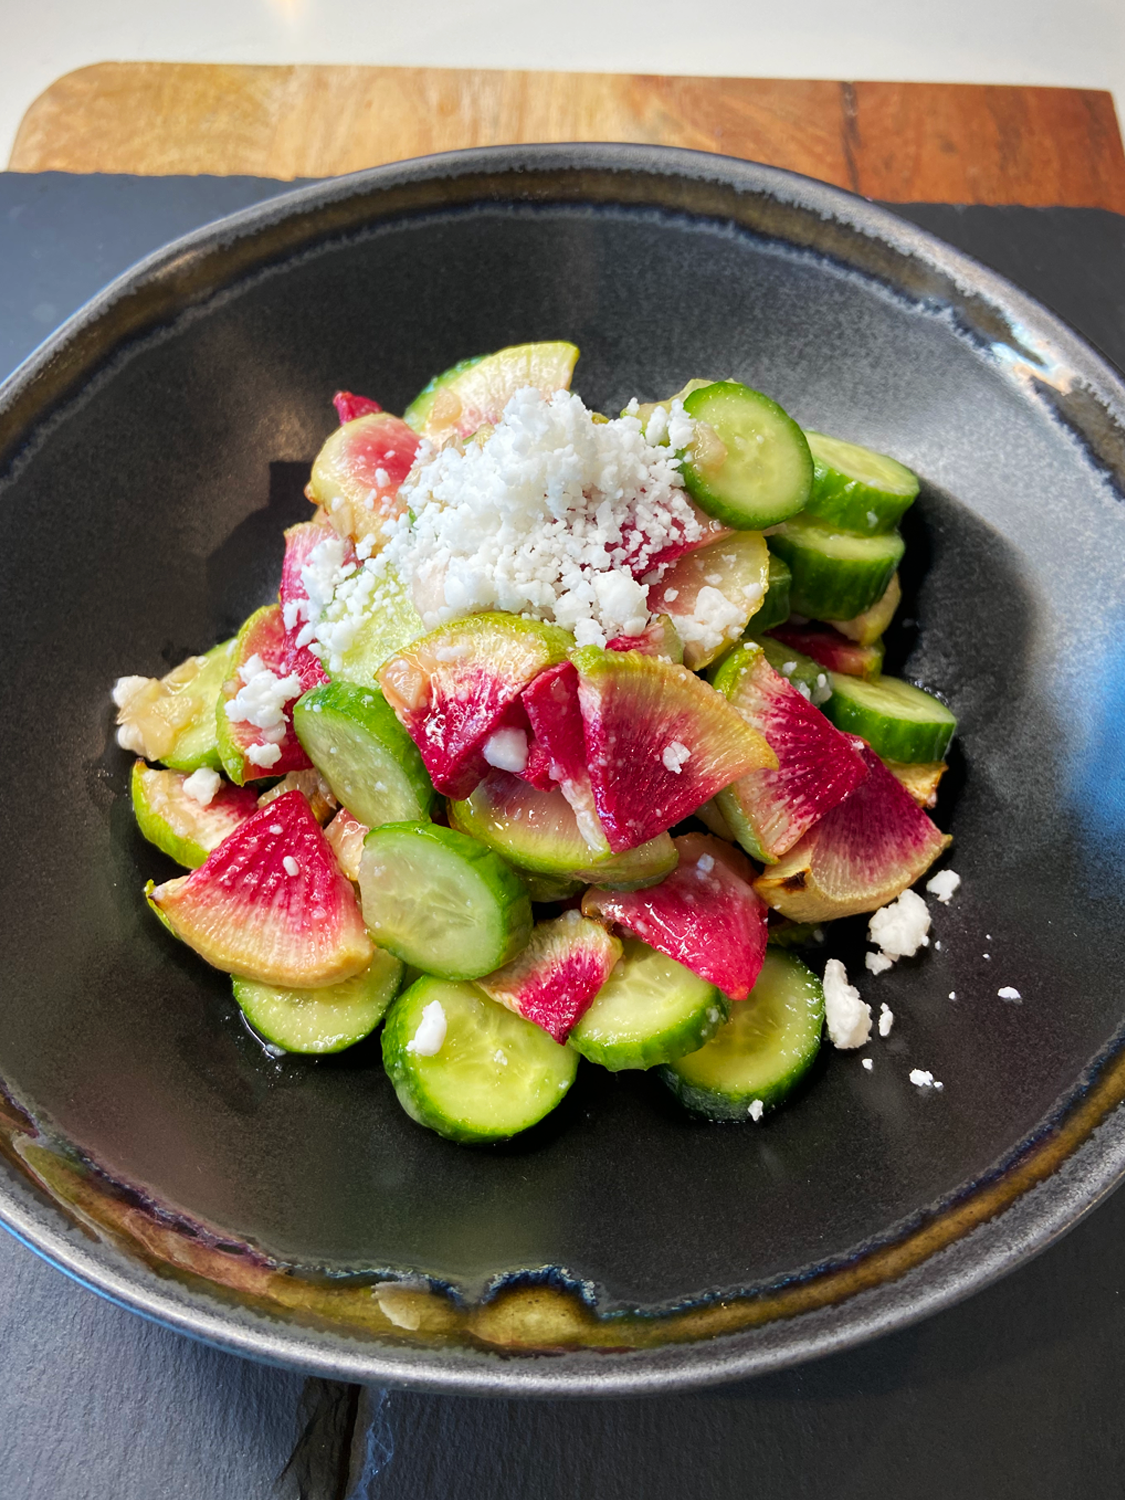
[493, 1075]
[749, 464]
[856, 488]
[327, 1020]
[762, 1052]
[899, 721]
[442, 901]
[774, 608]
[537, 831]
[649, 1011]
[353, 738]
[835, 575]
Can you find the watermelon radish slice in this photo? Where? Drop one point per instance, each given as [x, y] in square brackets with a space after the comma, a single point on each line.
[711, 593]
[349, 406]
[659, 742]
[271, 903]
[706, 914]
[554, 980]
[358, 472]
[660, 639]
[817, 765]
[254, 717]
[180, 824]
[313, 554]
[831, 649]
[860, 855]
[537, 832]
[474, 392]
[453, 689]
[346, 834]
[551, 704]
[920, 778]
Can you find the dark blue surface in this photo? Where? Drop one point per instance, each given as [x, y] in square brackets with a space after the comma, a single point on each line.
[1015, 1393]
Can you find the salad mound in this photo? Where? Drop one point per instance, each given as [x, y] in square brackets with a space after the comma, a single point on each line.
[458, 774]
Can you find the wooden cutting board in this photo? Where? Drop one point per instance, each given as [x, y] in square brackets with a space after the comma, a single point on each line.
[954, 143]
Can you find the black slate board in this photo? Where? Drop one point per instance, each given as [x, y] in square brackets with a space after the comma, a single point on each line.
[1015, 1393]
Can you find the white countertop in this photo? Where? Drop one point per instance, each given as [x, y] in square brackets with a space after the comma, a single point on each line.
[1079, 43]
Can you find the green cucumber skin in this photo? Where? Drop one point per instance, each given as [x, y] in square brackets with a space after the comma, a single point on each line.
[835, 588]
[843, 501]
[704, 1010]
[804, 670]
[511, 903]
[774, 608]
[787, 985]
[372, 747]
[407, 1072]
[901, 739]
[789, 496]
[349, 1011]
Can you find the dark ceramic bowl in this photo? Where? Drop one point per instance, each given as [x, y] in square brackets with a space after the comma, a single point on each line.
[150, 455]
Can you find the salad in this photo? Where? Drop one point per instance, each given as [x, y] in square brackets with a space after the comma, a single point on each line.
[562, 733]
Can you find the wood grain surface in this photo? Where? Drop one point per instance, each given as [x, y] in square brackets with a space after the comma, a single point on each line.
[960, 143]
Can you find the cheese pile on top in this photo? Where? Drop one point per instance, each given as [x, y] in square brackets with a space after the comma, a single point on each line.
[555, 515]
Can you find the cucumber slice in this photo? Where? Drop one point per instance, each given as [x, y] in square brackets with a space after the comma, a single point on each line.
[774, 608]
[749, 464]
[442, 901]
[650, 1010]
[353, 738]
[538, 831]
[762, 1052]
[835, 575]
[899, 721]
[856, 488]
[327, 1020]
[494, 1074]
[548, 889]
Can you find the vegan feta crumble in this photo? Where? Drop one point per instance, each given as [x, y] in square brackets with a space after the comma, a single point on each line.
[921, 1078]
[944, 884]
[202, 785]
[847, 1016]
[1008, 993]
[428, 1039]
[886, 1020]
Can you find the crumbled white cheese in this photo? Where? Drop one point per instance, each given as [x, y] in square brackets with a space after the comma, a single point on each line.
[848, 1018]
[878, 963]
[953, 994]
[263, 755]
[290, 865]
[506, 749]
[821, 690]
[428, 1039]
[886, 1020]
[675, 756]
[500, 1056]
[1008, 993]
[943, 884]
[788, 668]
[705, 863]
[547, 519]
[868, 1064]
[276, 828]
[923, 1079]
[756, 1110]
[262, 698]
[872, 519]
[899, 929]
[714, 619]
[202, 785]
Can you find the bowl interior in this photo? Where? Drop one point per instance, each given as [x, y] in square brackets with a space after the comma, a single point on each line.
[146, 523]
